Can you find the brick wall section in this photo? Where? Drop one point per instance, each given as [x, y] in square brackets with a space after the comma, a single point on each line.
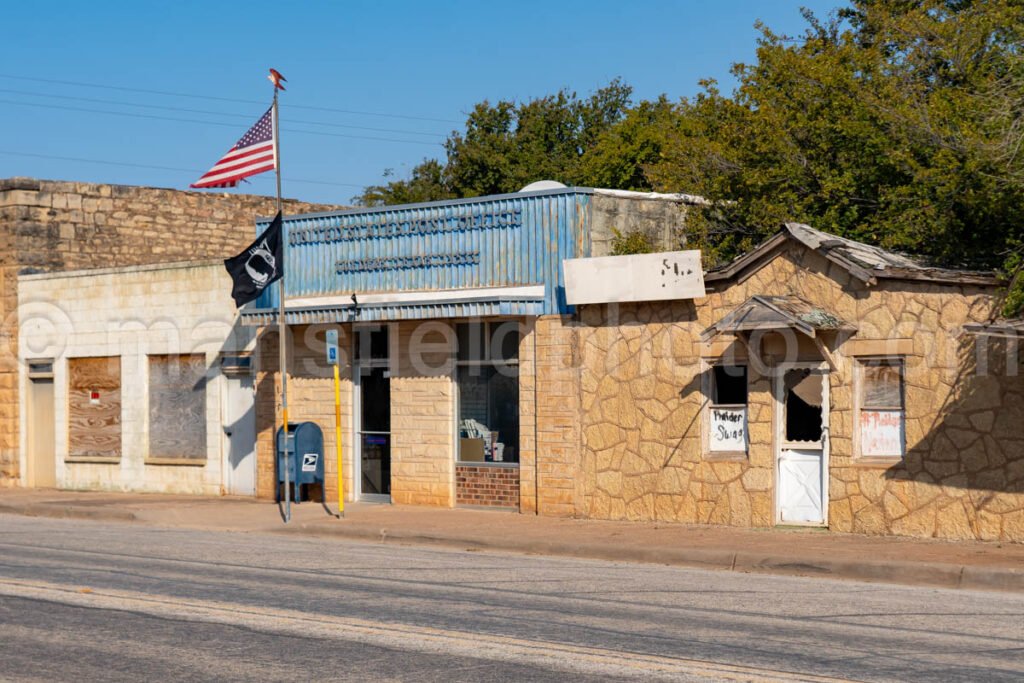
[557, 418]
[487, 485]
[51, 225]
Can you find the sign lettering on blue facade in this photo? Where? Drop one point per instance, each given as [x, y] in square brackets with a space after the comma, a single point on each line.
[466, 258]
[382, 226]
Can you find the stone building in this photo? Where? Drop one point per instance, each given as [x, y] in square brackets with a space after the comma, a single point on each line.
[51, 226]
[819, 381]
[864, 404]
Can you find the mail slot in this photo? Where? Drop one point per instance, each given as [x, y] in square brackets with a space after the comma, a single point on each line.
[305, 446]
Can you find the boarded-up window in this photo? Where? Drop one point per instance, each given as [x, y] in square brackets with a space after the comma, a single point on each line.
[177, 407]
[94, 408]
[881, 420]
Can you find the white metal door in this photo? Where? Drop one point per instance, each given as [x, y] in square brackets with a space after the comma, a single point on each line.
[802, 401]
[239, 422]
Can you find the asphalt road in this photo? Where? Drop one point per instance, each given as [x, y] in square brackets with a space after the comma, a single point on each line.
[88, 601]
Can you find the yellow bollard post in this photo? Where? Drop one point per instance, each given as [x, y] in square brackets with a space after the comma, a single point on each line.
[337, 441]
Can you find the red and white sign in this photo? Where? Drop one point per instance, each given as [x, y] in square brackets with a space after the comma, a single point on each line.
[881, 432]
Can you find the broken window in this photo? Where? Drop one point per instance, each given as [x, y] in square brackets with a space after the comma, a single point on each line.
[804, 395]
[727, 413]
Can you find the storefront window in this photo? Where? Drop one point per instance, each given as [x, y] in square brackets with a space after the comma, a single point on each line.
[488, 385]
[882, 415]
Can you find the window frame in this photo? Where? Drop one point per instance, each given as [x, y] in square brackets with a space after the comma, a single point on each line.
[861, 363]
[709, 394]
[486, 360]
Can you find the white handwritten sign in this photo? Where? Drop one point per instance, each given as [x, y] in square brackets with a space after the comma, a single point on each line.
[638, 277]
[728, 429]
[881, 432]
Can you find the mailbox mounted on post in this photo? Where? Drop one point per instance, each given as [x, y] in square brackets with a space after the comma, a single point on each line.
[306, 446]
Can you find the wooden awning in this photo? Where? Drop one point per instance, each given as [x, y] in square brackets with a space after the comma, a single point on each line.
[767, 313]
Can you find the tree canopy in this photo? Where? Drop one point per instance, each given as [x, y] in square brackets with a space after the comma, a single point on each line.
[894, 122]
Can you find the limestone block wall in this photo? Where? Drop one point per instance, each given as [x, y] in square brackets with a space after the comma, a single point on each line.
[130, 314]
[310, 399]
[559, 488]
[49, 226]
[641, 448]
[423, 416]
[528, 417]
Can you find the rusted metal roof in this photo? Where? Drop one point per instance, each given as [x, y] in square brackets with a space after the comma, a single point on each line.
[865, 262]
[998, 328]
[775, 313]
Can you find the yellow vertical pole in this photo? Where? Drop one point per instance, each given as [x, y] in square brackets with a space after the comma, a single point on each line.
[337, 441]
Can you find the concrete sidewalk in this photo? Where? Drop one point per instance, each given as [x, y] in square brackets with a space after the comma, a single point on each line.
[973, 565]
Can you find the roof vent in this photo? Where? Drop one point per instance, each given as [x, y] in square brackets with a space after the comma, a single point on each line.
[543, 185]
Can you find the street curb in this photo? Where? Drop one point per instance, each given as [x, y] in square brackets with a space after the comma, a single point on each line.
[61, 511]
[936, 574]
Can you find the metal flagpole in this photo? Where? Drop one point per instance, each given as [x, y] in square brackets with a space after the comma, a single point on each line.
[281, 327]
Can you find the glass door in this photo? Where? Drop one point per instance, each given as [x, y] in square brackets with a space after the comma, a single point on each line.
[375, 432]
[373, 412]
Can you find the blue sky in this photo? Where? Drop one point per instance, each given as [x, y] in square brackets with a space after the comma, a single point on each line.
[371, 85]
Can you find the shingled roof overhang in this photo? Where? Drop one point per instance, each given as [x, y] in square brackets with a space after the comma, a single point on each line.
[864, 262]
[769, 313]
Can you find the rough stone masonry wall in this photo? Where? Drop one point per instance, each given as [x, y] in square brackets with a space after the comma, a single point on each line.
[50, 225]
[660, 221]
[963, 474]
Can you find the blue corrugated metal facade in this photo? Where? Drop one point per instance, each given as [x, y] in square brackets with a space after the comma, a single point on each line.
[497, 241]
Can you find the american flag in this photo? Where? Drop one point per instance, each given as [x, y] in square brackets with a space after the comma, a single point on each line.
[253, 154]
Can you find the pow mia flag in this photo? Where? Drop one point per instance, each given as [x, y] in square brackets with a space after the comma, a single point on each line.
[258, 266]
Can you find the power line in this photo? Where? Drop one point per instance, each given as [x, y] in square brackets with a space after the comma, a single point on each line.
[212, 113]
[210, 123]
[128, 164]
[224, 99]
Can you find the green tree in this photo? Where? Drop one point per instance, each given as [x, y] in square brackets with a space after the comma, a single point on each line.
[425, 184]
[505, 146]
[896, 122]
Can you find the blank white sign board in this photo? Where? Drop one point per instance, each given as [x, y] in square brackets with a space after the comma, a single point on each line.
[637, 277]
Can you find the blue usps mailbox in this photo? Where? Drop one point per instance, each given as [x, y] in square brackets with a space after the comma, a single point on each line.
[306, 447]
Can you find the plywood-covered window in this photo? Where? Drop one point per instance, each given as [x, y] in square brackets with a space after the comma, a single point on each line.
[881, 419]
[177, 408]
[94, 408]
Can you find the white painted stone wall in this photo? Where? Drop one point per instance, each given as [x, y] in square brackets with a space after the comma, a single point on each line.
[132, 313]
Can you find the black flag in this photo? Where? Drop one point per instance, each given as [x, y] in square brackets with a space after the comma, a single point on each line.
[258, 266]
